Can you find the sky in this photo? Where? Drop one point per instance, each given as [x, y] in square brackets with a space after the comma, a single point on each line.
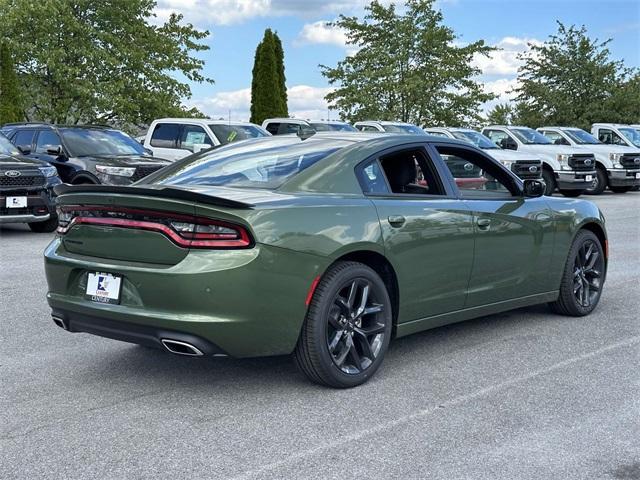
[237, 26]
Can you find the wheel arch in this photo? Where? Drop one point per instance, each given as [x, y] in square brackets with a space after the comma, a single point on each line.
[599, 232]
[84, 177]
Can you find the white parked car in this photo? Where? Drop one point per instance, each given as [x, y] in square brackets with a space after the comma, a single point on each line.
[175, 138]
[388, 127]
[569, 169]
[525, 165]
[617, 167]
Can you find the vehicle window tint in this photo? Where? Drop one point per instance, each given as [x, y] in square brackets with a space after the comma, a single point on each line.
[24, 138]
[367, 128]
[286, 128]
[477, 176]
[47, 139]
[372, 179]
[411, 172]
[556, 138]
[193, 134]
[610, 137]
[496, 136]
[165, 135]
[273, 128]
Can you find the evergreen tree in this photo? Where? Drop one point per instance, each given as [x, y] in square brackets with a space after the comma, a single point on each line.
[10, 105]
[268, 90]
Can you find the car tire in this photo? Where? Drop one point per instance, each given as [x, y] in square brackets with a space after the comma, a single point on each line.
[571, 193]
[599, 183]
[549, 182]
[583, 277]
[47, 226]
[620, 189]
[341, 345]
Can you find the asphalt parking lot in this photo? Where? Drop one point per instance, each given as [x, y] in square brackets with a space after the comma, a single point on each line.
[519, 395]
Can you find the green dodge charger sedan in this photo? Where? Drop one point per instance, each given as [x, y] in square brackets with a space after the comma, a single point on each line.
[326, 246]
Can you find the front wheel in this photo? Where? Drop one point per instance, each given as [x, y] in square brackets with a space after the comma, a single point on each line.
[599, 183]
[47, 226]
[620, 189]
[549, 182]
[571, 193]
[583, 277]
[347, 328]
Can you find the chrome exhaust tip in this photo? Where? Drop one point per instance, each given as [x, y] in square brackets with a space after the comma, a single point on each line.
[181, 348]
[59, 322]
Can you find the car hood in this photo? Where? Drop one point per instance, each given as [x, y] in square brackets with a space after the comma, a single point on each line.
[126, 161]
[601, 147]
[19, 161]
[512, 155]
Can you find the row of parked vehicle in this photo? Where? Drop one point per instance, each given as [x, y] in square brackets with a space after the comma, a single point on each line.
[36, 156]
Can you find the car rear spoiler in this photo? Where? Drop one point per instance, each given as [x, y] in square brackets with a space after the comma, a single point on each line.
[165, 192]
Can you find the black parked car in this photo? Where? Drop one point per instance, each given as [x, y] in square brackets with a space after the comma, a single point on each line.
[26, 189]
[85, 153]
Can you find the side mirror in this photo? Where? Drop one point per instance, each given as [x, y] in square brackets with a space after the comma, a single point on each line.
[55, 151]
[24, 149]
[533, 188]
[508, 144]
[560, 141]
[198, 147]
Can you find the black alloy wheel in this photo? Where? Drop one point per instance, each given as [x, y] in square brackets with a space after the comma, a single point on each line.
[583, 278]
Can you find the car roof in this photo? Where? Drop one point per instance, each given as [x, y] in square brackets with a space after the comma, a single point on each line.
[206, 121]
[20, 126]
[384, 122]
[283, 120]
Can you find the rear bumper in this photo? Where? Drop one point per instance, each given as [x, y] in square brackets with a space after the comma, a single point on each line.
[243, 303]
[574, 180]
[623, 178]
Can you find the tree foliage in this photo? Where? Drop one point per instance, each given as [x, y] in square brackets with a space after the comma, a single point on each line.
[102, 61]
[10, 99]
[268, 84]
[408, 66]
[501, 114]
[572, 80]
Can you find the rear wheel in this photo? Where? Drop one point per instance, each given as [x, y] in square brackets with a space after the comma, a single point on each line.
[571, 193]
[599, 183]
[549, 181]
[47, 226]
[583, 277]
[347, 329]
[620, 189]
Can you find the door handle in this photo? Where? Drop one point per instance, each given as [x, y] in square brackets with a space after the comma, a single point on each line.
[396, 220]
[483, 223]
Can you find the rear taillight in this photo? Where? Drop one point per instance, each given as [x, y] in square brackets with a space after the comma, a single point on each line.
[184, 230]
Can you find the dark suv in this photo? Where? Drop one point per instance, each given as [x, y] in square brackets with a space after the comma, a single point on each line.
[26, 189]
[85, 153]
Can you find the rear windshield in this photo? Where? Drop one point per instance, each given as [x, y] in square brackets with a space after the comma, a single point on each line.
[231, 133]
[264, 163]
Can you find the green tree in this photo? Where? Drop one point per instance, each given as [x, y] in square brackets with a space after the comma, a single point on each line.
[571, 80]
[501, 114]
[10, 103]
[407, 67]
[268, 88]
[102, 61]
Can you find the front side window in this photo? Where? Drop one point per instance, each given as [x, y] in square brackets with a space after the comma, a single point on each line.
[259, 164]
[192, 135]
[84, 142]
[286, 128]
[273, 128]
[232, 133]
[499, 137]
[368, 128]
[610, 137]
[47, 139]
[165, 135]
[476, 176]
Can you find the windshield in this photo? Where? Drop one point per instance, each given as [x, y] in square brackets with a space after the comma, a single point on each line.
[259, 164]
[232, 133]
[332, 127]
[412, 129]
[6, 147]
[632, 135]
[84, 142]
[581, 137]
[529, 136]
[476, 138]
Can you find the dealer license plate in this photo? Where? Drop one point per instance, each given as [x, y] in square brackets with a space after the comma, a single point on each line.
[638, 175]
[103, 287]
[588, 178]
[16, 202]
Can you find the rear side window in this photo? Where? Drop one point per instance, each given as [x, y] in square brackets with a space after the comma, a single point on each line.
[24, 138]
[165, 135]
[273, 128]
[46, 140]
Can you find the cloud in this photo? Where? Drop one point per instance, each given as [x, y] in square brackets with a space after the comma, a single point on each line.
[505, 61]
[321, 32]
[304, 102]
[502, 88]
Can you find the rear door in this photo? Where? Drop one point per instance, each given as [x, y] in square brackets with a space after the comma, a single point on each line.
[427, 232]
[513, 235]
[164, 141]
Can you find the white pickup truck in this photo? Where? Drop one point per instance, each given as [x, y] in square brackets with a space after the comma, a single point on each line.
[175, 138]
[569, 169]
[617, 167]
[525, 165]
[383, 126]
